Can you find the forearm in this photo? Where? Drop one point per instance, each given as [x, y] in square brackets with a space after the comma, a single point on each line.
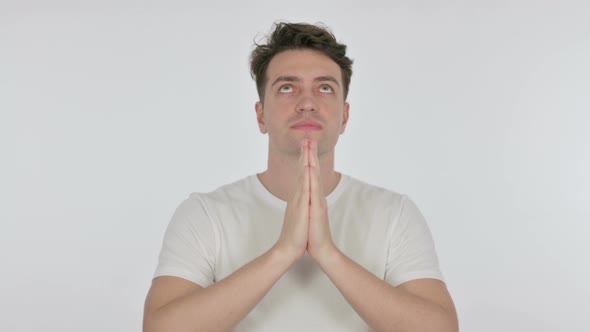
[224, 304]
[382, 306]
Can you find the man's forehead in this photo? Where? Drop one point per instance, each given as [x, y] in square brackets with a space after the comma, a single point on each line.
[303, 65]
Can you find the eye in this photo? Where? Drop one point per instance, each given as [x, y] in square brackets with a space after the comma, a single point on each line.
[326, 88]
[285, 88]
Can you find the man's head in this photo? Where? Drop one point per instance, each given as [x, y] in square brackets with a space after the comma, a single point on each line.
[302, 76]
[298, 36]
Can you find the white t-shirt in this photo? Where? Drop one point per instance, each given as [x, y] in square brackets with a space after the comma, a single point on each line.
[212, 235]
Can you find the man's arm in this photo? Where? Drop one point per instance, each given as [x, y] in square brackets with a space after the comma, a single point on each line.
[420, 305]
[175, 304]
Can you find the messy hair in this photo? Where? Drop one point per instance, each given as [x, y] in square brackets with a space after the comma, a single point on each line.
[296, 36]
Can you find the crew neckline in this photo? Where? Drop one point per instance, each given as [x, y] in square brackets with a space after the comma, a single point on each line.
[273, 200]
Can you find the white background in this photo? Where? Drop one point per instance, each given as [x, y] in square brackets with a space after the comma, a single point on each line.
[112, 112]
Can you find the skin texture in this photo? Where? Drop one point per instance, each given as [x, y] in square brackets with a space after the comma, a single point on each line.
[301, 85]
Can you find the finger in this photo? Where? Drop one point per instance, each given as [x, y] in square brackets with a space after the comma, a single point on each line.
[308, 171]
[304, 172]
[315, 182]
[301, 170]
[304, 152]
[314, 155]
[306, 194]
[315, 163]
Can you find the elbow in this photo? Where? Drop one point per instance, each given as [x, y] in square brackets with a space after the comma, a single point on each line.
[452, 319]
[449, 326]
[150, 324]
[448, 322]
[154, 322]
[445, 319]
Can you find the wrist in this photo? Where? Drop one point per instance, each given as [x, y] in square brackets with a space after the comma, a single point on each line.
[284, 256]
[325, 255]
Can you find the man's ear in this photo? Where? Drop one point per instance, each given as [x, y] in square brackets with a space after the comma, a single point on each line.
[260, 117]
[345, 117]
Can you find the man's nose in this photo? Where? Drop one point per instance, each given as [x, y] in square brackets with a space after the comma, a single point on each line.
[306, 103]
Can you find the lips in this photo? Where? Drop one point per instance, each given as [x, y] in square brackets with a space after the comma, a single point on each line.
[307, 125]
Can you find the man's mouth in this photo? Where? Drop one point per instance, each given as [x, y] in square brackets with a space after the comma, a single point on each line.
[307, 125]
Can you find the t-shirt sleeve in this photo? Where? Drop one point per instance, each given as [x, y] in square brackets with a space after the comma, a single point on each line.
[188, 248]
[411, 253]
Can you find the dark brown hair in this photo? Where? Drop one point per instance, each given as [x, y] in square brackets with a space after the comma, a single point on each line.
[292, 36]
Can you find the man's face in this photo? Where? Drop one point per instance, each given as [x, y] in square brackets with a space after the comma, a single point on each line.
[303, 99]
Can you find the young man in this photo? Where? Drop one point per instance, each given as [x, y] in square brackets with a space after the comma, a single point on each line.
[299, 247]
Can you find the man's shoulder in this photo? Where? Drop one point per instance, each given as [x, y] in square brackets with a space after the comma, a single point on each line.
[232, 191]
[363, 191]
[362, 187]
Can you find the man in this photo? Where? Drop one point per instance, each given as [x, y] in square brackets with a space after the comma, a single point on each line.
[299, 247]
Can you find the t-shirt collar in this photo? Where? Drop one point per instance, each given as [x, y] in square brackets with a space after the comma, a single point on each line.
[263, 193]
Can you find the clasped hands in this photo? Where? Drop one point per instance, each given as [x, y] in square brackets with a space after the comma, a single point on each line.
[305, 225]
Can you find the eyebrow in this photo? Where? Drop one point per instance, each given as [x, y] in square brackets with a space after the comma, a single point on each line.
[287, 78]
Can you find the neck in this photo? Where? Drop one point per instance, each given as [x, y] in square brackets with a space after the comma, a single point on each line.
[280, 177]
